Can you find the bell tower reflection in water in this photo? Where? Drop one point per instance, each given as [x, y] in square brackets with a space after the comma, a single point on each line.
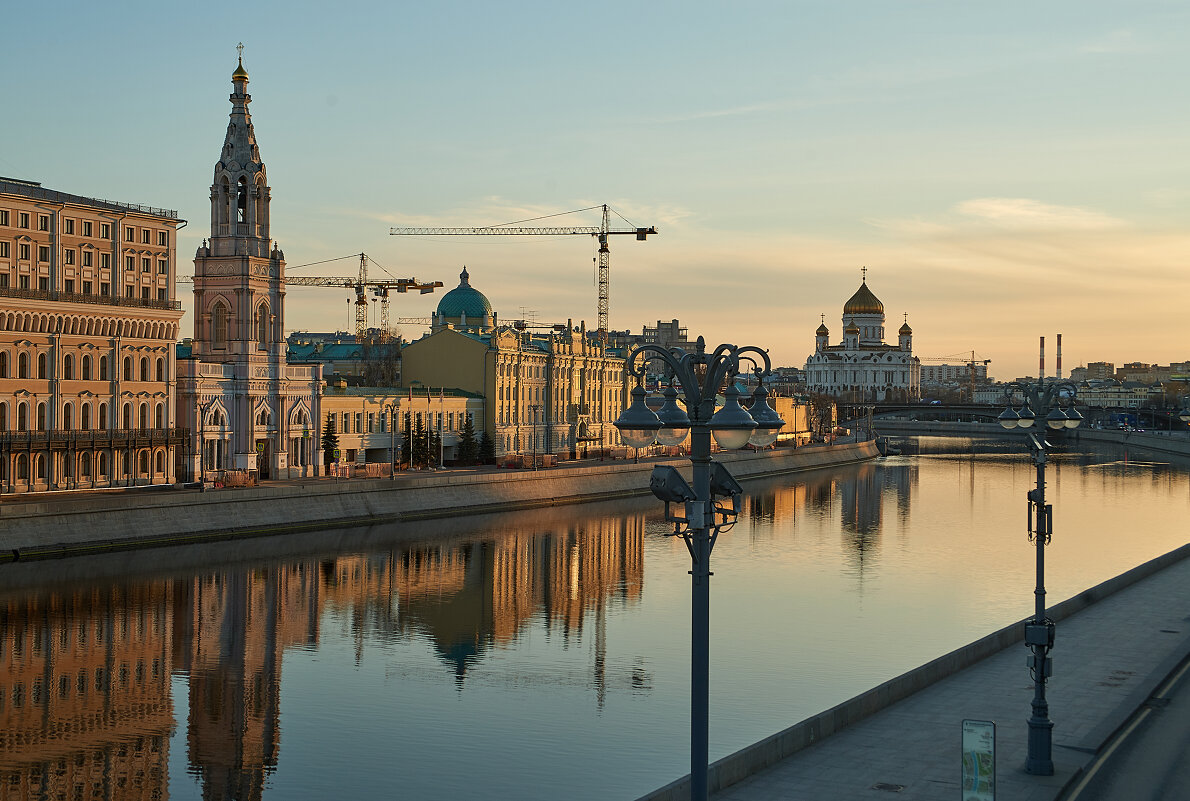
[231, 628]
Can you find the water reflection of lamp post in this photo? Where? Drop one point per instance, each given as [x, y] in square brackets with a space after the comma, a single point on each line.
[1039, 632]
[704, 517]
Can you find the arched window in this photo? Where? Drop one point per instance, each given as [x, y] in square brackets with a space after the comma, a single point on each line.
[41, 371]
[4, 364]
[22, 467]
[144, 368]
[86, 367]
[3, 417]
[68, 367]
[67, 417]
[159, 416]
[101, 418]
[160, 462]
[85, 414]
[242, 200]
[144, 415]
[160, 369]
[103, 368]
[41, 417]
[102, 470]
[22, 365]
[127, 416]
[262, 327]
[127, 368]
[85, 465]
[219, 325]
[39, 460]
[22, 416]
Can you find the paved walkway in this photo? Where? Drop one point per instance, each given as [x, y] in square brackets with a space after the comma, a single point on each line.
[1108, 659]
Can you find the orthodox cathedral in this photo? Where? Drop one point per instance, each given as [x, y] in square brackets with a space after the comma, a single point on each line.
[862, 367]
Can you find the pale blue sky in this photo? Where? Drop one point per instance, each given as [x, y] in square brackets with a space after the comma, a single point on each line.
[966, 153]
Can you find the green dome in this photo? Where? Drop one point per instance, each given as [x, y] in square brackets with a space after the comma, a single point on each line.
[464, 299]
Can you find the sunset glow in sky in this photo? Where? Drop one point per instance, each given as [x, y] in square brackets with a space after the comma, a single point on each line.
[1004, 170]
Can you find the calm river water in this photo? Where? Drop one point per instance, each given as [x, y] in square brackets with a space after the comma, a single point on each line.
[535, 655]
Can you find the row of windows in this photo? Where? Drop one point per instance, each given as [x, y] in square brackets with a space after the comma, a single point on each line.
[22, 462]
[123, 626]
[21, 422]
[353, 422]
[80, 684]
[85, 372]
[86, 228]
[221, 317]
[82, 257]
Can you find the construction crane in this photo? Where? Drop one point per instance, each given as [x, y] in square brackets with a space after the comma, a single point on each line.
[969, 361]
[601, 232]
[362, 285]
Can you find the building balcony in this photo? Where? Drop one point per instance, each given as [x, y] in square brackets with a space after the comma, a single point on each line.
[54, 295]
[93, 438]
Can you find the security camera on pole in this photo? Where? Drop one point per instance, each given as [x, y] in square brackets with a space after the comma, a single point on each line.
[711, 503]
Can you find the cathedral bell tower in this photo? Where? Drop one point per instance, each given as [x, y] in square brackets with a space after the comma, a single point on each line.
[238, 272]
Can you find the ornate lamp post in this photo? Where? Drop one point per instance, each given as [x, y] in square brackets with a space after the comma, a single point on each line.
[1039, 632]
[699, 376]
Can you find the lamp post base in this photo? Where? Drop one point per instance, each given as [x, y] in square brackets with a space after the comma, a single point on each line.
[1041, 736]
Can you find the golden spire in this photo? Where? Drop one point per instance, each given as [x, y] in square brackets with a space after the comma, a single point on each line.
[240, 74]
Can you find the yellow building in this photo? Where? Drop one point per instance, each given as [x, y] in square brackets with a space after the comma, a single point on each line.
[87, 328]
[363, 415]
[544, 392]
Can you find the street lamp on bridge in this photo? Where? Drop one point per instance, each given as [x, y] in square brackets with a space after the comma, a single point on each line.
[1039, 632]
[700, 517]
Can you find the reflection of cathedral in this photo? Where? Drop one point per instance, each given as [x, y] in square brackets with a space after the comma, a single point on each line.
[861, 367]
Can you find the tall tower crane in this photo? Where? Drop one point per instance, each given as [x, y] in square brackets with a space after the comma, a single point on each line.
[362, 285]
[969, 361]
[601, 232]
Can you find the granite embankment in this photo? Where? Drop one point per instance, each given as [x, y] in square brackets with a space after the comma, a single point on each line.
[71, 525]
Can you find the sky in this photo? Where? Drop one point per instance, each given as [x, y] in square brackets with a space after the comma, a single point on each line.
[1004, 170]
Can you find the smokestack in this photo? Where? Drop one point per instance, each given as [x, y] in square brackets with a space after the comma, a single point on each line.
[1041, 362]
[1058, 374]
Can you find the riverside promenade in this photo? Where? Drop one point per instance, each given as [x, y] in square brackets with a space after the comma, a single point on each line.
[1116, 645]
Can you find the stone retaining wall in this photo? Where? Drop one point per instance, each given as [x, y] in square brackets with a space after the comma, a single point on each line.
[64, 526]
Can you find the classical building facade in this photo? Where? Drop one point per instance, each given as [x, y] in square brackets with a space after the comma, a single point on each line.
[88, 321]
[247, 409]
[543, 392]
[862, 367]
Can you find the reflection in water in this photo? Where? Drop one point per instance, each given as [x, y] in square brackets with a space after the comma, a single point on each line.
[85, 705]
[85, 709]
[428, 667]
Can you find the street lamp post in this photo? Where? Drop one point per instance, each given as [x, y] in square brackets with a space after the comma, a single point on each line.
[392, 439]
[701, 517]
[1039, 632]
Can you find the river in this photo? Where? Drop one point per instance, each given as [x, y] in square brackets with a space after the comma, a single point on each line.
[540, 654]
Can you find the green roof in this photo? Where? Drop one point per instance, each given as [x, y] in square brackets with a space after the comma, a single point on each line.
[464, 299]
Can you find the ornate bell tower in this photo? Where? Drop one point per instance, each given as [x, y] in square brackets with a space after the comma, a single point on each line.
[238, 272]
[249, 412]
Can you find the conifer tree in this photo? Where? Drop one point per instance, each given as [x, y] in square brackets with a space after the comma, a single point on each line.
[330, 441]
[487, 449]
[468, 449]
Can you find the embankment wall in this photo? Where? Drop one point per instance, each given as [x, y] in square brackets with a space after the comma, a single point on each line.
[67, 526]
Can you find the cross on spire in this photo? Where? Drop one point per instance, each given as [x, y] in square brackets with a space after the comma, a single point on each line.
[240, 50]
[864, 270]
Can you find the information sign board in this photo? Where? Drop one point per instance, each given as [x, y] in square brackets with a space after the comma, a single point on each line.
[979, 760]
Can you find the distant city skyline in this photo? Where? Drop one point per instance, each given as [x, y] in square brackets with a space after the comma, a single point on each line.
[1004, 172]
